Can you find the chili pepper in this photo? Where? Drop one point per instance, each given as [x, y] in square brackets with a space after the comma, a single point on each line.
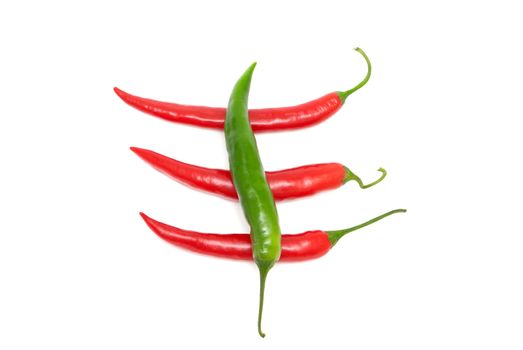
[265, 119]
[295, 247]
[251, 184]
[285, 184]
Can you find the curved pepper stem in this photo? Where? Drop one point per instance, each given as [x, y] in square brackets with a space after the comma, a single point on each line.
[349, 175]
[334, 236]
[344, 94]
[263, 277]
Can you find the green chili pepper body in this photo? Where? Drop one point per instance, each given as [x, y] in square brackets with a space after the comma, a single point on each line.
[251, 184]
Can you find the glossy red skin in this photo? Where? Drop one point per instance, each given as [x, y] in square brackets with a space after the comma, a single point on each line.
[265, 119]
[285, 184]
[299, 247]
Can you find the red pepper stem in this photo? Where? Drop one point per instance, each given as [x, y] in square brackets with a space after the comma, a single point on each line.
[334, 236]
[263, 277]
[349, 175]
[344, 94]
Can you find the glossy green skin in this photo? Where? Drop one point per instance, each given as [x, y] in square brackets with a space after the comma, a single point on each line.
[249, 178]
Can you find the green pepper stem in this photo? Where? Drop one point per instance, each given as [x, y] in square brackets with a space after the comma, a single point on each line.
[263, 277]
[344, 94]
[334, 236]
[349, 175]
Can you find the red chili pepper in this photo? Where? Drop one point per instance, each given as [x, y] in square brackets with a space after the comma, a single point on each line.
[265, 119]
[285, 184]
[297, 247]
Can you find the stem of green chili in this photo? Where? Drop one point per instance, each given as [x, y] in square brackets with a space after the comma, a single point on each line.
[344, 94]
[349, 175]
[334, 236]
[263, 278]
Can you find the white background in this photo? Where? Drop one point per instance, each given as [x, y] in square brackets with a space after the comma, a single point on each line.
[442, 111]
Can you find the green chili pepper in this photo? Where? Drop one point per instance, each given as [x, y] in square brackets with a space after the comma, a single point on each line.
[249, 179]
